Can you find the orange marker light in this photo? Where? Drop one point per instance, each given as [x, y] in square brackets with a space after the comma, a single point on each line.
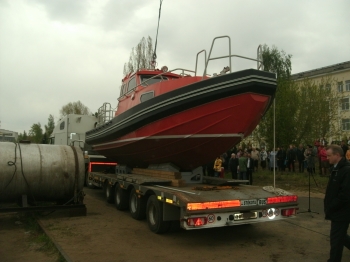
[101, 163]
[213, 205]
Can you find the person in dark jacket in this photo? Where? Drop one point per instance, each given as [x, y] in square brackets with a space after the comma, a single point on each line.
[291, 157]
[233, 165]
[344, 146]
[337, 202]
[250, 169]
[301, 157]
[281, 157]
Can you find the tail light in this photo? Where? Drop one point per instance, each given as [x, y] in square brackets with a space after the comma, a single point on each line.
[282, 199]
[197, 221]
[288, 212]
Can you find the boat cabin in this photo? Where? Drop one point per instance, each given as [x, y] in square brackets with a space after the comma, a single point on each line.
[145, 77]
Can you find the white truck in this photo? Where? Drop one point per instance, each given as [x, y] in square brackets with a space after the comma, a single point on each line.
[165, 196]
[71, 129]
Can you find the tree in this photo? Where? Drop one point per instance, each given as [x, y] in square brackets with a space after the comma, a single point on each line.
[140, 57]
[50, 125]
[321, 111]
[278, 62]
[304, 110]
[23, 136]
[74, 108]
[36, 133]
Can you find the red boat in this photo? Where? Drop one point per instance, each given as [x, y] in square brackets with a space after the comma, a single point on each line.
[163, 117]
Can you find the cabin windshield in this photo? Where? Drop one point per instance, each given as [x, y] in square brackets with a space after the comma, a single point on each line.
[153, 80]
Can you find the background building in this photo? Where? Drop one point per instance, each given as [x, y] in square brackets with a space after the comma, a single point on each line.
[339, 75]
[8, 136]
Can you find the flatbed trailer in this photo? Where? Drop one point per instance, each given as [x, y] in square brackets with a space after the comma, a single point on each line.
[215, 202]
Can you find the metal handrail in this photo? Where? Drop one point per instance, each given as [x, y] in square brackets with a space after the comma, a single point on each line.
[104, 114]
[205, 60]
[211, 49]
[259, 62]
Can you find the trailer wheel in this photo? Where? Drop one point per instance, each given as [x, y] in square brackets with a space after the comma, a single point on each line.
[137, 205]
[88, 182]
[109, 192]
[155, 216]
[121, 198]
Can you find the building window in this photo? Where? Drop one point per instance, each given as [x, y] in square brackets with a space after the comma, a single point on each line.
[340, 86]
[344, 103]
[345, 124]
[328, 87]
[347, 85]
[62, 126]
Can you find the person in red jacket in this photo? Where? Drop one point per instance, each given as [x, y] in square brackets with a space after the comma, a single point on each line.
[324, 161]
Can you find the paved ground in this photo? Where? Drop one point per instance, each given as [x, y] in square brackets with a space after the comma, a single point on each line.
[106, 234]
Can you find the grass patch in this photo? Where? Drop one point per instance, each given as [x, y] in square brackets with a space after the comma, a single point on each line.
[38, 239]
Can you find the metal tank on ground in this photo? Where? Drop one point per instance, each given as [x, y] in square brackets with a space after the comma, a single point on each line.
[42, 172]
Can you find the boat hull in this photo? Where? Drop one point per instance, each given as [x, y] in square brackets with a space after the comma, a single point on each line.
[208, 119]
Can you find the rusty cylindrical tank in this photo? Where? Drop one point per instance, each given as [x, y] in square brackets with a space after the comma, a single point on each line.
[42, 172]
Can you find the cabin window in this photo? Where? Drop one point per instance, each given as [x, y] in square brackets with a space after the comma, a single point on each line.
[62, 125]
[132, 84]
[146, 96]
[122, 91]
[153, 80]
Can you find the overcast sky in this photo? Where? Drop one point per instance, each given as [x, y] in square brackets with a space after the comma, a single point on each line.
[60, 51]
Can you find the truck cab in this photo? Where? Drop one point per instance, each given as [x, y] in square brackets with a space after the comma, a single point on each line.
[71, 128]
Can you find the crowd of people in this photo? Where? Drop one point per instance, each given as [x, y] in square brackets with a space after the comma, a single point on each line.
[243, 162]
[333, 161]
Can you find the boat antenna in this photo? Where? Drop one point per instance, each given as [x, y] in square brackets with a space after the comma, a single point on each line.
[153, 63]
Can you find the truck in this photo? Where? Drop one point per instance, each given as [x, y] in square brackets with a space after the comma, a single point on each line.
[167, 197]
[70, 130]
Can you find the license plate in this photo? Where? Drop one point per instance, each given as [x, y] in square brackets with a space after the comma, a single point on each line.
[250, 202]
[262, 202]
[249, 215]
[244, 216]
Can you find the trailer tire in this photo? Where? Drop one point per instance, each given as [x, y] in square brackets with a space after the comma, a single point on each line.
[109, 192]
[88, 182]
[154, 214]
[121, 198]
[137, 205]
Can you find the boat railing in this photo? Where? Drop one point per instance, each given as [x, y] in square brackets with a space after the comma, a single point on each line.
[229, 56]
[259, 57]
[185, 72]
[104, 114]
[205, 59]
